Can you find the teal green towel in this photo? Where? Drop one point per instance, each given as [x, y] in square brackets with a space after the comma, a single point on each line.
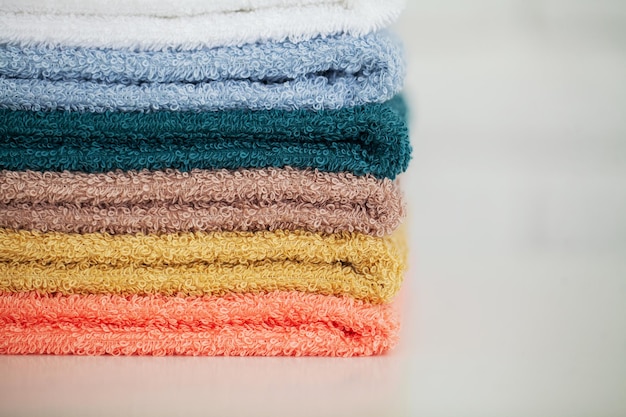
[367, 139]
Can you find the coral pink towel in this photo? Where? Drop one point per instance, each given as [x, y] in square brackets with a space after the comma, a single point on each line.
[271, 324]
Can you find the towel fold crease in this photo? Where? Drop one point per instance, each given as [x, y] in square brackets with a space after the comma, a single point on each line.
[322, 73]
[160, 25]
[369, 139]
[171, 201]
[361, 266]
[277, 323]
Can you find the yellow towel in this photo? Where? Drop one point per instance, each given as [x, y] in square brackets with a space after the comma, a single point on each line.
[361, 266]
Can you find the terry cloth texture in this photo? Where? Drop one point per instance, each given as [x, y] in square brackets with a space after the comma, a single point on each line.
[171, 201]
[162, 24]
[323, 73]
[147, 7]
[369, 139]
[360, 266]
[278, 323]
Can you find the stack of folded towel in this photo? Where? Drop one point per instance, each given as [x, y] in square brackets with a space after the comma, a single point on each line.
[200, 177]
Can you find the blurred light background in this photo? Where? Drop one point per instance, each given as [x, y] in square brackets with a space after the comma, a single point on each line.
[515, 304]
[517, 301]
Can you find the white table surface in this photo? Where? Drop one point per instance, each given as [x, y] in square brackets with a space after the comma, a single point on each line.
[515, 304]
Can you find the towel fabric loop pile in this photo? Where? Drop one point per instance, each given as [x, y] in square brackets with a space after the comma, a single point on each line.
[201, 178]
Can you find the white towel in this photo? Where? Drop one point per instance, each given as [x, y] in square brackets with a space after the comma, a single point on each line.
[146, 7]
[186, 24]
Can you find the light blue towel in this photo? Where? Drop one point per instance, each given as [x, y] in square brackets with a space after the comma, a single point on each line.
[323, 73]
